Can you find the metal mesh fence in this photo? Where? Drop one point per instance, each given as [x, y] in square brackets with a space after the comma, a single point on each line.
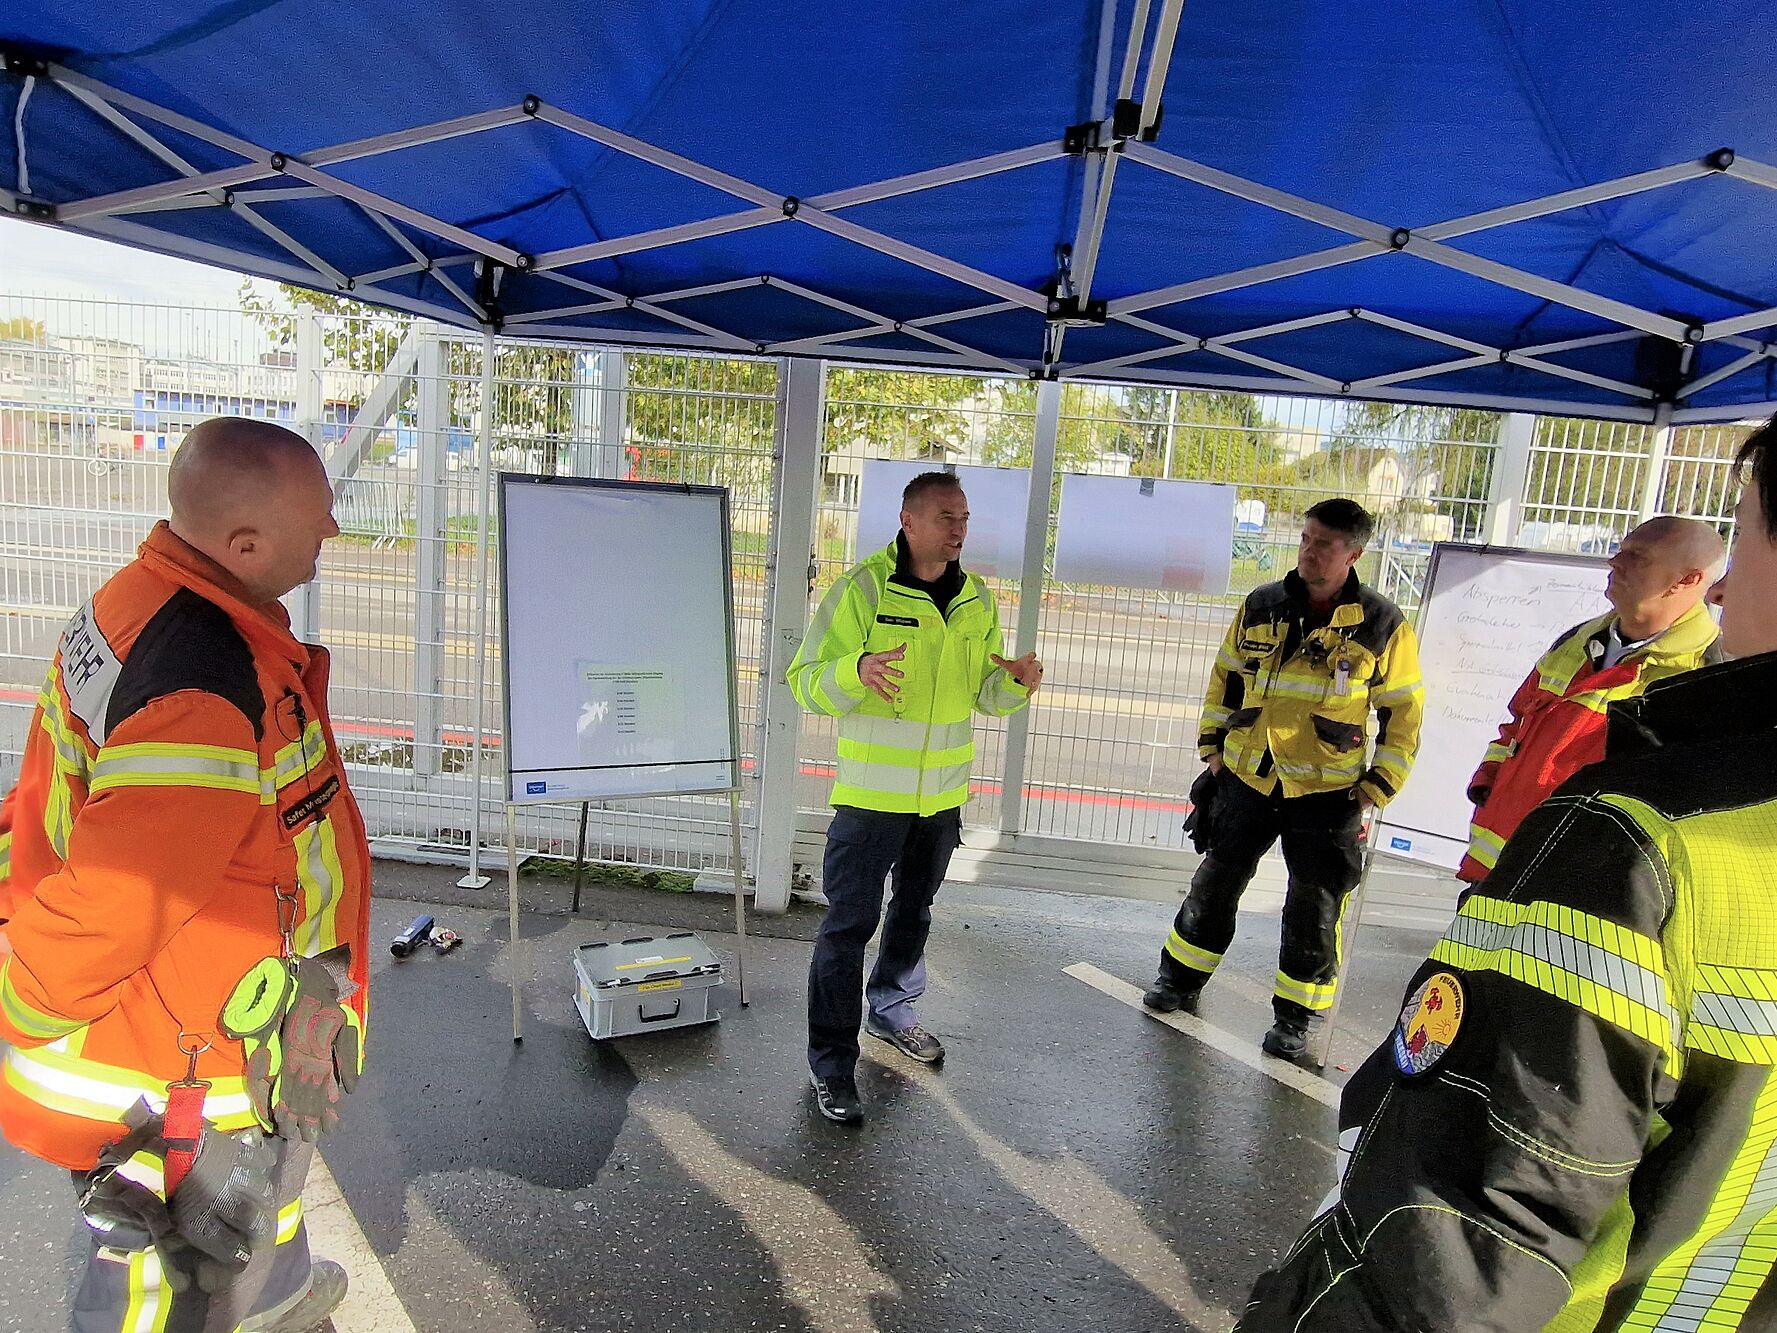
[1113, 744]
[95, 396]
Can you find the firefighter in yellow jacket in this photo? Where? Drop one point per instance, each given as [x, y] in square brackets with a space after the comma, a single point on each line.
[1573, 1126]
[189, 896]
[904, 649]
[1306, 663]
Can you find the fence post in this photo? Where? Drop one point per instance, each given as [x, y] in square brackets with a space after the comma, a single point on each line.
[612, 413]
[305, 603]
[430, 528]
[1511, 476]
[801, 414]
[1030, 594]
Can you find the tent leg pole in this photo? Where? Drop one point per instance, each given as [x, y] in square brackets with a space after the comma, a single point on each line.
[740, 896]
[475, 879]
[580, 854]
[512, 915]
[1349, 925]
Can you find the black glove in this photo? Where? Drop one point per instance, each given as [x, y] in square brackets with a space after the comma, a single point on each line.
[120, 1211]
[226, 1207]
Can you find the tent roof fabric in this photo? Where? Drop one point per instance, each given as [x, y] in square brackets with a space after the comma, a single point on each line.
[1484, 202]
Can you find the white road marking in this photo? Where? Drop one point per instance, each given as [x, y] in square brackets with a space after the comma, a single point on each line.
[1309, 1085]
[371, 1305]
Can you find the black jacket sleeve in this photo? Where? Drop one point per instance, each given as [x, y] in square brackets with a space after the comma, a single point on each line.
[1477, 1181]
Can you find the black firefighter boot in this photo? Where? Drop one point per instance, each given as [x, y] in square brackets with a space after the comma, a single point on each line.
[1288, 1038]
[1166, 995]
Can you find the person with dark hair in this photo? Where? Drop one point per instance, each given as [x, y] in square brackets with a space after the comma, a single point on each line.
[1306, 663]
[1573, 1125]
[904, 649]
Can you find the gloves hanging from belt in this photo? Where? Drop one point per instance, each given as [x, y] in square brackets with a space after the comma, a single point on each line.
[1200, 823]
[301, 1044]
[222, 1211]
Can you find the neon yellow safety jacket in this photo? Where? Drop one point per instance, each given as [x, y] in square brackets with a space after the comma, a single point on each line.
[1293, 707]
[911, 756]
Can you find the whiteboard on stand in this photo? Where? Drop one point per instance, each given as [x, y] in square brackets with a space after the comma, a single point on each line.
[1488, 614]
[1136, 532]
[997, 503]
[617, 640]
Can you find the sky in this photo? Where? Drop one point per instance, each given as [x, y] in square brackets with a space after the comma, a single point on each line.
[47, 261]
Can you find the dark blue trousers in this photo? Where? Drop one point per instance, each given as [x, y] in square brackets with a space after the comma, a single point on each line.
[864, 847]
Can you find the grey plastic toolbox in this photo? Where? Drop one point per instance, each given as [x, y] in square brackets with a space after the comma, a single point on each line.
[645, 983]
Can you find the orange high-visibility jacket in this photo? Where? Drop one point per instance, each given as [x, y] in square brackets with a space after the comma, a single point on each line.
[1556, 726]
[180, 773]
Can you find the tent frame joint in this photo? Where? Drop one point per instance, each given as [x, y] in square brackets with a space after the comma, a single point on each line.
[1126, 121]
[23, 64]
[1079, 140]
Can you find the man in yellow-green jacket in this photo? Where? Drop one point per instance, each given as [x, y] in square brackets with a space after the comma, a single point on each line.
[904, 649]
[1306, 664]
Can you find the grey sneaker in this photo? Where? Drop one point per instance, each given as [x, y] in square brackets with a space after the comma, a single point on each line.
[306, 1310]
[914, 1042]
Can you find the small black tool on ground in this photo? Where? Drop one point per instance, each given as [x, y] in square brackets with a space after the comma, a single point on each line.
[410, 939]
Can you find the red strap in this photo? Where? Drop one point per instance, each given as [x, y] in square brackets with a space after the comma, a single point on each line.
[184, 1126]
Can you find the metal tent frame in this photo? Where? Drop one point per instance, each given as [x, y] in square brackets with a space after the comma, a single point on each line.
[478, 276]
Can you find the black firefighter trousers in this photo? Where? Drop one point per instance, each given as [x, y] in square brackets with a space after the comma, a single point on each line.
[1320, 835]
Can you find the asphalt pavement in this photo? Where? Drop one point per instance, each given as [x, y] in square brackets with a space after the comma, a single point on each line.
[1075, 1165]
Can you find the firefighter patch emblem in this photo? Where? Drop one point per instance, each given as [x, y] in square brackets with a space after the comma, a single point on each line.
[1430, 1020]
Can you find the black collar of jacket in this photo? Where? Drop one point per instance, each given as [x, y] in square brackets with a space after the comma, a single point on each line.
[1711, 703]
[1298, 590]
[950, 584]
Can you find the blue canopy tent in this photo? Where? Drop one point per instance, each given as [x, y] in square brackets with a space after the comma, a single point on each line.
[1567, 209]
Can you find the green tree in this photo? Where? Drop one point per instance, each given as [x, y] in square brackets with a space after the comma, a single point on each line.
[21, 329]
[1447, 451]
[900, 414]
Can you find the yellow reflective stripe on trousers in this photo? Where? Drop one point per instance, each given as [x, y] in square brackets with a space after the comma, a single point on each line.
[6, 855]
[1608, 970]
[1710, 1280]
[1733, 1013]
[289, 1219]
[72, 1085]
[160, 764]
[1316, 995]
[1181, 950]
[28, 1019]
[318, 875]
[150, 1298]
